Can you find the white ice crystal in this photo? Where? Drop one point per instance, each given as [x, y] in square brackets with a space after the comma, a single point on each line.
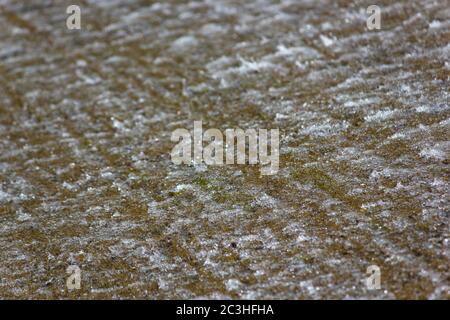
[433, 153]
[327, 42]
[233, 284]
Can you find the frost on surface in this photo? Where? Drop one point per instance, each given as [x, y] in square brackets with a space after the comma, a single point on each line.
[85, 171]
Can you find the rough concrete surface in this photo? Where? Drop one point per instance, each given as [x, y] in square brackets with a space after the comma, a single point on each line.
[86, 176]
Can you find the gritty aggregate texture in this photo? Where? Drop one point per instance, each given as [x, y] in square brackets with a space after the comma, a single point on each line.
[85, 171]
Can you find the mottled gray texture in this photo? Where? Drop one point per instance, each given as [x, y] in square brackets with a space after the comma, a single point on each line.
[85, 170]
